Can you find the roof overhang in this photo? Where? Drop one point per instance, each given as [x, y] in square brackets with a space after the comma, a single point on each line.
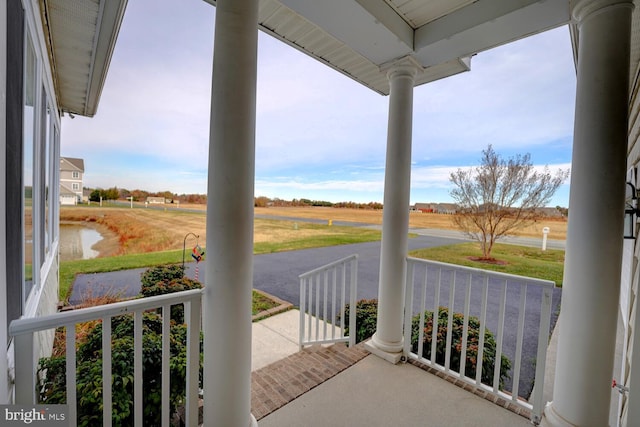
[80, 36]
[361, 38]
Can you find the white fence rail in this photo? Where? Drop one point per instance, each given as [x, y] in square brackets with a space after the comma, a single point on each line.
[522, 304]
[23, 331]
[323, 294]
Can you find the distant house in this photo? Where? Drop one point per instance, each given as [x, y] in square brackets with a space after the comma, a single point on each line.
[425, 207]
[71, 175]
[156, 200]
[446, 208]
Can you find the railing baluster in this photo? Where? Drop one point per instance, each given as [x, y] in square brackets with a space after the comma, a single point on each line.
[483, 320]
[498, 357]
[166, 357]
[436, 317]
[107, 398]
[70, 352]
[516, 370]
[452, 291]
[317, 311]
[138, 378]
[423, 308]
[343, 301]
[333, 302]
[310, 309]
[465, 327]
[192, 313]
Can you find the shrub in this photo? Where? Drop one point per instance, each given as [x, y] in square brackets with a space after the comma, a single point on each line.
[89, 372]
[52, 388]
[161, 273]
[167, 279]
[366, 319]
[473, 339]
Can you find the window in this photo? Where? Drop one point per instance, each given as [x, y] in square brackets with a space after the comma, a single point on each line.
[75, 175]
[75, 186]
[29, 135]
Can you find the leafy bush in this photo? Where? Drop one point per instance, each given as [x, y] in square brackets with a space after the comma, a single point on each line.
[473, 339]
[89, 372]
[161, 273]
[366, 319]
[167, 279]
[52, 388]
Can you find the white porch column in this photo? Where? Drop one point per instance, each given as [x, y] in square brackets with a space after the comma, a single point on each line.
[229, 260]
[582, 387]
[395, 220]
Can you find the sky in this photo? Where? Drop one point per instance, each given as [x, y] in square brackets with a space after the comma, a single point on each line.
[319, 134]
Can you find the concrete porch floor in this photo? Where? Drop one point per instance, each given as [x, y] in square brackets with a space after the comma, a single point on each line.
[340, 386]
[374, 392]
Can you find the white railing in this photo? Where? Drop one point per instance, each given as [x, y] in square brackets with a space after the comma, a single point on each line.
[323, 294]
[23, 331]
[523, 304]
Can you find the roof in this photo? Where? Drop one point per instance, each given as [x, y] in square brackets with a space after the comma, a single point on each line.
[361, 38]
[80, 36]
[71, 164]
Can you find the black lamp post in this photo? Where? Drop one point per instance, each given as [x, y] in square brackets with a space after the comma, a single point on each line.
[184, 245]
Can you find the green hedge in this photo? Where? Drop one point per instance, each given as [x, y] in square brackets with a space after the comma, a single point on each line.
[52, 387]
[367, 316]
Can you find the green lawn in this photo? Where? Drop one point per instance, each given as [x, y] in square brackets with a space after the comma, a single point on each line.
[69, 269]
[520, 260]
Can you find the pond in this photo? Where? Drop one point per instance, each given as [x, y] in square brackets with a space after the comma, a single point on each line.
[77, 240]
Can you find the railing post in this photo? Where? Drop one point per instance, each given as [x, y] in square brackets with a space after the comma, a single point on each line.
[408, 300]
[543, 343]
[302, 310]
[24, 366]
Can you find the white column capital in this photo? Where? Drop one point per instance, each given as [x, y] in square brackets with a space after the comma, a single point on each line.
[583, 9]
[407, 67]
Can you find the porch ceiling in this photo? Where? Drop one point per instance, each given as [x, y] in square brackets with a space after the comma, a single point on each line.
[80, 36]
[360, 37]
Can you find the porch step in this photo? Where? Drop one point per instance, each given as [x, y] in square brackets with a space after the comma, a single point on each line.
[281, 382]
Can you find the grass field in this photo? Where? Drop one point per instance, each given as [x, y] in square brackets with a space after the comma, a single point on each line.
[519, 260]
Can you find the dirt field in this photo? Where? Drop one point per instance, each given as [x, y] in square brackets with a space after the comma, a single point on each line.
[148, 230]
[558, 227]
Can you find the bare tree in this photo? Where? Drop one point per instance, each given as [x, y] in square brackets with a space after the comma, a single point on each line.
[500, 196]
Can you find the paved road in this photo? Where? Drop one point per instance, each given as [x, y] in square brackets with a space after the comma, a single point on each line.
[277, 274]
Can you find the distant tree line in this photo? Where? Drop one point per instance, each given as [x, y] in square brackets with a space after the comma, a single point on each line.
[115, 193]
[263, 202]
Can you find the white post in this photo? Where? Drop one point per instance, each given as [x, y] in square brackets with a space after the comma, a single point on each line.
[582, 388]
[4, 339]
[545, 233]
[387, 341]
[229, 264]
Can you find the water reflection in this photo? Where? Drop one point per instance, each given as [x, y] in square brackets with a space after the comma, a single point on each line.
[76, 241]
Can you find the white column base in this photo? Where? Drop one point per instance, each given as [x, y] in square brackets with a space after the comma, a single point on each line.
[550, 418]
[391, 352]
